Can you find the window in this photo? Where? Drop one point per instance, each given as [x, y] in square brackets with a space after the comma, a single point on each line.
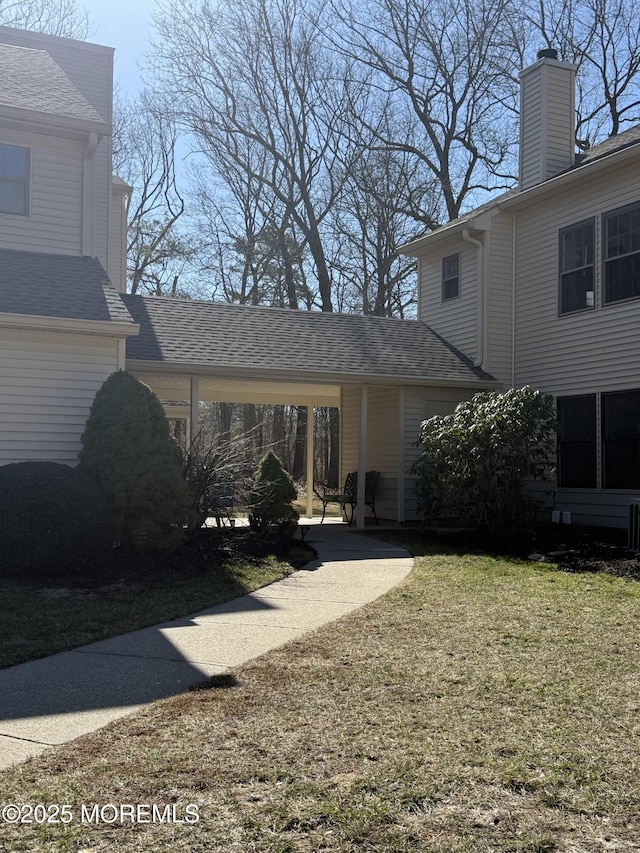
[621, 440]
[621, 253]
[576, 267]
[14, 180]
[577, 459]
[450, 277]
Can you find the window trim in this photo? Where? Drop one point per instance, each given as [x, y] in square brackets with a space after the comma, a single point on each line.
[594, 398]
[567, 229]
[444, 280]
[25, 181]
[603, 261]
[603, 443]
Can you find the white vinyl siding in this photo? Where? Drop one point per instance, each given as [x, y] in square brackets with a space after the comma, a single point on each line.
[455, 319]
[47, 385]
[55, 221]
[583, 352]
[499, 284]
[547, 119]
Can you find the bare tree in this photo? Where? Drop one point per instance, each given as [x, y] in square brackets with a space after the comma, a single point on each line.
[449, 66]
[56, 17]
[145, 139]
[259, 73]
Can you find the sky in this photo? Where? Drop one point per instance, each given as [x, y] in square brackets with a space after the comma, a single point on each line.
[125, 25]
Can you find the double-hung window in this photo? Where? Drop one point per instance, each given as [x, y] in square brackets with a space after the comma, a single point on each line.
[621, 253]
[576, 267]
[577, 454]
[451, 277]
[14, 179]
[621, 440]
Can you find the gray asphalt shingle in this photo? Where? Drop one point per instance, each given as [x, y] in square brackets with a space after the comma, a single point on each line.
[62, 286]
[246, 337]
[32, 80]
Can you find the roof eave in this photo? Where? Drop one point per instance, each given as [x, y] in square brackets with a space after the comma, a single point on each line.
[601, 164]
[108, 328]
[49, 122]
[298, 375]
[520, 199]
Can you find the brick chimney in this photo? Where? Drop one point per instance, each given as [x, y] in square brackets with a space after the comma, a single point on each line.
[547, 118]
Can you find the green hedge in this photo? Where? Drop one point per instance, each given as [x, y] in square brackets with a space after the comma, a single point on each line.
[53, 520]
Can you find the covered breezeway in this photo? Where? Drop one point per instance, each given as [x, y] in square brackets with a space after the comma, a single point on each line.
[384, 375]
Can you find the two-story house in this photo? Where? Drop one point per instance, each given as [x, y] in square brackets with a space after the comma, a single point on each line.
[63, 326]
[541, 287]
[66, 323]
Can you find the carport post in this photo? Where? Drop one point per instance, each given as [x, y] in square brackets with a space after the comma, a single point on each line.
[310, 455]
[362, 457]
[193, 411]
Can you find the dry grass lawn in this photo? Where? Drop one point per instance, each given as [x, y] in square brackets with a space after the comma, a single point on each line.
[484, 705]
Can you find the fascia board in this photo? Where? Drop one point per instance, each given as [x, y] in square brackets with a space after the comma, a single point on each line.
[48, 122]
[346, 378]
[108, 328]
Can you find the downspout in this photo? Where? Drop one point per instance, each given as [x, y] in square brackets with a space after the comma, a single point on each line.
[480, 358]
[513, 299]
[89, 196]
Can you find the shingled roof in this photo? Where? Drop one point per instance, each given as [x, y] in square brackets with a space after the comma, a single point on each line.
[32, 80]
[63, 286]
[241, 338]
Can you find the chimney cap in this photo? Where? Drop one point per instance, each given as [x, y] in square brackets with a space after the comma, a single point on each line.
[548, 53]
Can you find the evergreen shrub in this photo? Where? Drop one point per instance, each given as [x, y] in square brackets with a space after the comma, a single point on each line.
[128, 449]
[271, 499]
[54, 520]
[474, 464]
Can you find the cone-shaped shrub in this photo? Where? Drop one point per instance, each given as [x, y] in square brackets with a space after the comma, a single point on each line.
[127, 448]
[271, 498]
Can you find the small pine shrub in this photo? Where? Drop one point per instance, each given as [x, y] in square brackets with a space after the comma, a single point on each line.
[271, 499]
[54, 520]
[128, 449]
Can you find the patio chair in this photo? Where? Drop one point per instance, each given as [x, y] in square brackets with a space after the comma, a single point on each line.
[349, 495]
[220, 501]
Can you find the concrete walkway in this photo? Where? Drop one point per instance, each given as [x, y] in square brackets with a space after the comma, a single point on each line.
[56, 699]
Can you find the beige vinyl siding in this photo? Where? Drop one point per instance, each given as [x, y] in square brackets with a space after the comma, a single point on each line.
[547, 114]
[589, 350]
[47, 385]
[602, 508]
[531, 129]
[55, 220]
[455, 319]
[382, 442]
[499, 284]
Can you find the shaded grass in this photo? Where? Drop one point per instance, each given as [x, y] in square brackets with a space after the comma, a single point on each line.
[483, 705]
[40, 619]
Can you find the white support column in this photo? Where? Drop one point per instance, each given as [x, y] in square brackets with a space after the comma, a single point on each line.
[362, 457]
[310, 456]
[402, 459]
[193, 411]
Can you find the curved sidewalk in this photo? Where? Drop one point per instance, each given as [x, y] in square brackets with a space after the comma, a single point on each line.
[53, 700]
